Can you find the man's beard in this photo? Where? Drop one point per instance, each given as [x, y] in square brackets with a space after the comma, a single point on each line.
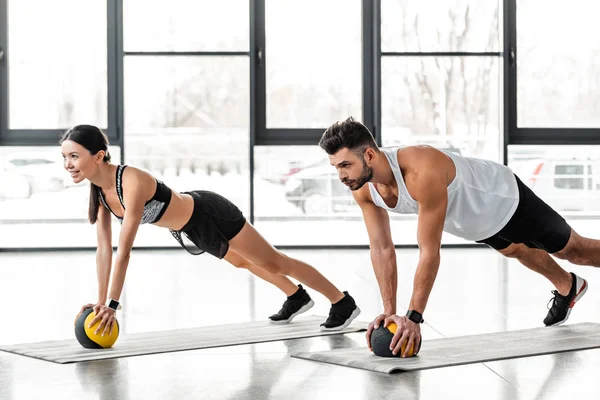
[365, 176]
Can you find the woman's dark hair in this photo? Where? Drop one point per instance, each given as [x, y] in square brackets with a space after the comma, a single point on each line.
[94, 140]
[349, 133]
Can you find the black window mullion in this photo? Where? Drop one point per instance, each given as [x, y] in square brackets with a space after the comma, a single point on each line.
[258, 57]
[115, 74]
[257, 86]
[27, 137]
[510, 83]
[290, 137]
[3, 70]
[371, 49]
[555, 136]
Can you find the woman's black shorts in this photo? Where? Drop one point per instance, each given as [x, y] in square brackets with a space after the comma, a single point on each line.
[214, 222]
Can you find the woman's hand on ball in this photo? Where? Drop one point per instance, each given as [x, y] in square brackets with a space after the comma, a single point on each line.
[107, 318]
[374, 325]
[85, 307]
[407, 333]
[97, 308]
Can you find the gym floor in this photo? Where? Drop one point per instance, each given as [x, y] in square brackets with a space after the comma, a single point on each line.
[477, 291]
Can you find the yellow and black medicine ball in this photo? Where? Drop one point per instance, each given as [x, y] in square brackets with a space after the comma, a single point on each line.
[86, 336]
[381, 339]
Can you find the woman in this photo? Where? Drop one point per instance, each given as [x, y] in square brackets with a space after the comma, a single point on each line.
[206, 221]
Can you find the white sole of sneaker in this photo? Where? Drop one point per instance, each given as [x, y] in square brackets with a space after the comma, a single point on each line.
[354, 314]
[304, 309]
[582, 291]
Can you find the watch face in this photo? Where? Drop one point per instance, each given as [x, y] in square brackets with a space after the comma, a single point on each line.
[414, 316]
[113, 304]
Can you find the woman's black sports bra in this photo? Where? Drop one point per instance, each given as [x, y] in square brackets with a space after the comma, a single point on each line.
[153, 209]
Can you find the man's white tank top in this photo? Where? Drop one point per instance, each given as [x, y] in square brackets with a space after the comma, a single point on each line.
[481, 199]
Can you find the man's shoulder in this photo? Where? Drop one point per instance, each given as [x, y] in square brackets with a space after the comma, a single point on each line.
[420, 158]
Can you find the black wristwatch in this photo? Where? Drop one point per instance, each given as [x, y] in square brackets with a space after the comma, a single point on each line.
[415, 316]
[114, 305]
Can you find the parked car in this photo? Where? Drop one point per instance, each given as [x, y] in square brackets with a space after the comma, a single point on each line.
[318, 190]
[566, 185]
[44, 171]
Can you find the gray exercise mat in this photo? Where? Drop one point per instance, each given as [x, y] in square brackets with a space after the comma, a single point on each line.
[469, 349]
[68, 351]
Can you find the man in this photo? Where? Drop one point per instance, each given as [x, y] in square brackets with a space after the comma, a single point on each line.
[474, 199]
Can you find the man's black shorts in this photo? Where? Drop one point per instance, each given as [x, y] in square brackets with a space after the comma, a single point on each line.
[534, 223]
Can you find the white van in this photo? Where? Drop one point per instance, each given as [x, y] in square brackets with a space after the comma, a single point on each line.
[566, 185]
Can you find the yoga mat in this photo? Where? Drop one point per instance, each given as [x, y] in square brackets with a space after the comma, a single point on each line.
[461, 350]
[68, 351]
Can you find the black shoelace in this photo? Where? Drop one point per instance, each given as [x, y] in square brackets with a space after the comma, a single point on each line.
[558, 300]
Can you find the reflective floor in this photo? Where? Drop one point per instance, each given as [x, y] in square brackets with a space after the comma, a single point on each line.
[477, 291]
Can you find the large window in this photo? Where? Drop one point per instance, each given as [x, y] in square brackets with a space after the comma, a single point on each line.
[431, 25]
[448, 102]
[558, 68]
[313, 75]
[186, 120]
[186, 109]
[57, 74]
[55, 67]
[554, 86]
[440, 75]
[185, 25]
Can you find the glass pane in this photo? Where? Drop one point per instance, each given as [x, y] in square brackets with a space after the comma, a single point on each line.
[450, 102]
[299, 200]
[57, 77]
[558, 66]
[39, 204]
[433, 25]
[187, 122]
[186, 25]
[186, 92]
[313, 75]
[565, 177]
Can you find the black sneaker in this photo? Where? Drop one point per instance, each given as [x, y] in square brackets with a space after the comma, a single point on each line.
[341, 314]
[295, 304]
[562, 305]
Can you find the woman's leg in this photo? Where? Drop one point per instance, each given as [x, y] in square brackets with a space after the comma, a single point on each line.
[249, 244]
[298, 300]
[282, 282]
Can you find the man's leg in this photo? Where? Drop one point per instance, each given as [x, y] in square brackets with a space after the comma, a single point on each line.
[569, 287]
[580, 250]
[534, 232]
[541, 262]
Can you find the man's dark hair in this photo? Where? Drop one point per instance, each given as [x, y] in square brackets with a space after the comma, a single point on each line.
[349, 133]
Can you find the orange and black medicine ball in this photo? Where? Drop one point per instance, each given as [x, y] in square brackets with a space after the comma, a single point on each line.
[86, 336]
[381, 339]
